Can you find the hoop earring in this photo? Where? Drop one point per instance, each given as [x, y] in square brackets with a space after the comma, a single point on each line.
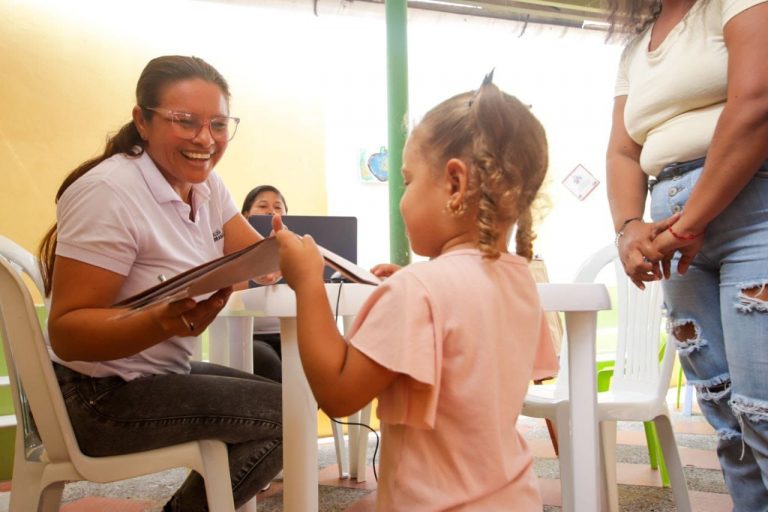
[457, 210]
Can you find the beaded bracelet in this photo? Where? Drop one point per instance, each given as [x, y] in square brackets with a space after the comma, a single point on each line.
[680, 236]
[620, 232]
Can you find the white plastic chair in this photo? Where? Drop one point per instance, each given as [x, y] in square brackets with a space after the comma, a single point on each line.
[47, 453]
[639, 388]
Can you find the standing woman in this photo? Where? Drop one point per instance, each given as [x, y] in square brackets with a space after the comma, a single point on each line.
[151, 207]
[691, 112]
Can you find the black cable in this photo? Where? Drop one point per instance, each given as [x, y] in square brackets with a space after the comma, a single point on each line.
[338, 300]
[376, 447]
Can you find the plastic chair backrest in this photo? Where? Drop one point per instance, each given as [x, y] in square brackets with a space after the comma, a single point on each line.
[637, 367]
[22, 259]
[29, 365]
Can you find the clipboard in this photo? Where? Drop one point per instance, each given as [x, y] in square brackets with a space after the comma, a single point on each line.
[255, 260]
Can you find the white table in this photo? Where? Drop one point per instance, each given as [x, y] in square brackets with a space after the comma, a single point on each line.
[579, 301]
[235, 323]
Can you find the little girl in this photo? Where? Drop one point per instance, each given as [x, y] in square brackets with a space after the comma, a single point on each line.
[448, 346]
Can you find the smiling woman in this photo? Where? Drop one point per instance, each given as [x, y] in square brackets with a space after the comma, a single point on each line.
[184, 148]
[150, 206]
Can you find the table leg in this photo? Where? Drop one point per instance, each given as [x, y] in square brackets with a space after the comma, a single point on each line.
[300, 487]
[241, 343]
[358, 436]
[342, 452]
[218, 334]
[583, 397]
[361, 448]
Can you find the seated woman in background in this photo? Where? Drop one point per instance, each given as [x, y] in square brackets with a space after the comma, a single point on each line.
[266, 200]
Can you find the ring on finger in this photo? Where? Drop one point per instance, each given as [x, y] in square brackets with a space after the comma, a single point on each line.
[190, 325]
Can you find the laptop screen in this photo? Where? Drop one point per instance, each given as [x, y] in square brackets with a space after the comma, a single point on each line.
[337, 234]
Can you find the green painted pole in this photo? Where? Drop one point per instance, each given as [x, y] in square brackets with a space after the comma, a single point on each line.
[397, 107]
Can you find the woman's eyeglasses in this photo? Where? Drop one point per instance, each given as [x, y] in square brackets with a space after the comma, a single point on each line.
[187, 125]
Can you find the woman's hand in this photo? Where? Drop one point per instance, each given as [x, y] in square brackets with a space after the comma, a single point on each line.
[83, 325]
[300, 260]
[384, 270]
[188, 317]
[640, 258]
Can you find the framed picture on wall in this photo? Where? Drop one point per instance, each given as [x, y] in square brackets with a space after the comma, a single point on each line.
[374, 165]
[580, 182]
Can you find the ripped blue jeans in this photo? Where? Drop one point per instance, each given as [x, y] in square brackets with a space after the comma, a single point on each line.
[718, 316]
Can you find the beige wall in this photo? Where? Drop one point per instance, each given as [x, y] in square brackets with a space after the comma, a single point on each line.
[67, 76]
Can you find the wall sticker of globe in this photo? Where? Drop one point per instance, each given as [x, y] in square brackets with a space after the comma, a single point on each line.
[378, 164]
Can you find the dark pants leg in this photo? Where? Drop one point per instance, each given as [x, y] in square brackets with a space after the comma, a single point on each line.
[111, 416]
[267, 357]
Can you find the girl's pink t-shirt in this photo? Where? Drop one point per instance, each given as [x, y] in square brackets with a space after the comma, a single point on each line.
[466, 335]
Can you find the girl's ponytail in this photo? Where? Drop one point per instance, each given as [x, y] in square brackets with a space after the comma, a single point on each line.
[505, 146]
[510, 158]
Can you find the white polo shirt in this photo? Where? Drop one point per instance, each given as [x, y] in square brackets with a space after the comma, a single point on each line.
[124, 216]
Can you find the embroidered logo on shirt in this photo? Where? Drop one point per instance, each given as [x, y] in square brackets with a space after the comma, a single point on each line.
[217, 235]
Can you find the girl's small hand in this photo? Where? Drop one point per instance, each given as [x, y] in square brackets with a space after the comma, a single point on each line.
[268, 279]
[384, 270]
[300, 260]
[188, 317]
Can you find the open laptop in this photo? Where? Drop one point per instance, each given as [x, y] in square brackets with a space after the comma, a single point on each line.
[335, 233]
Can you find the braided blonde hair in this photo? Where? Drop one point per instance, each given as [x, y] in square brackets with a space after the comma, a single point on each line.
[505, 148]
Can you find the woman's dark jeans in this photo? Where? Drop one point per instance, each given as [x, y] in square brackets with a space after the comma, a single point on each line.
[111, 417]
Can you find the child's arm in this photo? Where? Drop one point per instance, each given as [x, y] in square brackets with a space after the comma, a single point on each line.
[342, 378]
